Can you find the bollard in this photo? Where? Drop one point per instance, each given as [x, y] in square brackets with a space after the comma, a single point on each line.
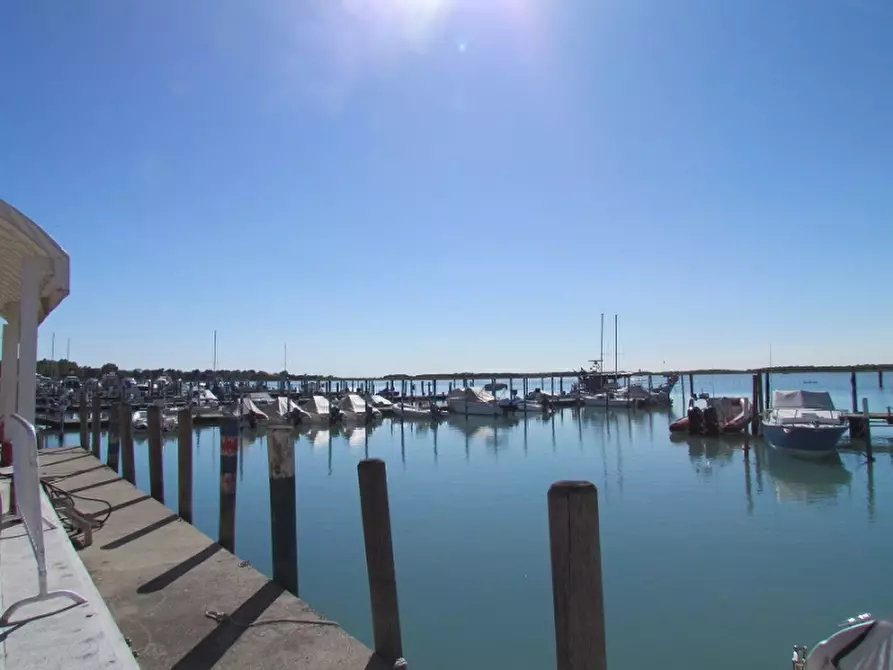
[577, 576]
[380, 559]
[114, 448]
[283, 506]
[84, 417]
[96, 422]
[125, 421]
[156, 454]
[184, 464]
[229, 463]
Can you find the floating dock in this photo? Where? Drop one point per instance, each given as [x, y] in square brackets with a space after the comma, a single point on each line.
[182, 600]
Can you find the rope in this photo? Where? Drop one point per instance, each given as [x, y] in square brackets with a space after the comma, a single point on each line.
[57, 494]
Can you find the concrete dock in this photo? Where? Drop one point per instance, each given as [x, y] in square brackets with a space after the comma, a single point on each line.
[160, 577]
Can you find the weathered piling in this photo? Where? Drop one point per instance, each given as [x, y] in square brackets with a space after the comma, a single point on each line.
[854, 392]
[229, 463]
[96, 423]
[283, 507]
[184, 464]
[156, 454]
[866, 430]
[376, 513]
[125, 420]
[577, 576]
[691, 385]
[766, 393]
[755, 419]
[114, 448]
[84, 419]
[880, 379]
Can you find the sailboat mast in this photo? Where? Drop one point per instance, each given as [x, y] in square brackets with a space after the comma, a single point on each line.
[214, 356]
[615, 347]
[601, 352]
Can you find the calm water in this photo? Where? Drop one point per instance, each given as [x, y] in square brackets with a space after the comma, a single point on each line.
[721, 560]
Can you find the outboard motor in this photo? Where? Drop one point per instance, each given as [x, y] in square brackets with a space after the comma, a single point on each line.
[695, 421]
[711, 422]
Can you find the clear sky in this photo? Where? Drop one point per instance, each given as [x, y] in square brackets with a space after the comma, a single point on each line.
[438, 185]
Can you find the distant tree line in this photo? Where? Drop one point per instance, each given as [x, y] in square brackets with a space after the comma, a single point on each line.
[64, 368]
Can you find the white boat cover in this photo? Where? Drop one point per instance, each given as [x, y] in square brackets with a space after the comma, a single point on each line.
[286, 406]
[380, 401]
[204, 395]
[865, 646]
[318, 405]
[245, 406]
[802, 400]
[471, 394]
[352, 404]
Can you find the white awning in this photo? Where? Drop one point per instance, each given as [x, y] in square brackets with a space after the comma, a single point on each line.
[21, 238]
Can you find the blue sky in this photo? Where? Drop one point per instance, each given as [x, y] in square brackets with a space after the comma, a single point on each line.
[439, 185]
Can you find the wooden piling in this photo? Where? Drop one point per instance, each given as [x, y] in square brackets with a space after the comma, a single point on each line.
[114, 448]
[229, 463]
[880, 379]
[125, 421]
[866, 430]
[283, 506]
[766, 393]
[755, 418]
[854, 393]
[156, 454]
[184, 464]
[376, 514]
[691, 385]
[577, 576]
[96, 422]
[84, 419]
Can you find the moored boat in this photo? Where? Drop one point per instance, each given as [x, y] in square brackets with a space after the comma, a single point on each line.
[717, 415]
[803, 423]
[862, 642]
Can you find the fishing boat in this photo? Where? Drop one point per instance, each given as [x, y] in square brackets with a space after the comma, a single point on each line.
[717, 415]
[803, 423]
[862, 642]
[140, 421]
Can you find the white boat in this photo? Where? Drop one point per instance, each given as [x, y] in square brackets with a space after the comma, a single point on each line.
[862, 643]
[353, 408]
[407, 411]
[318, 408]
[803, 423]
[380, 403]
[287, 410]
[607, 400]
[140, 421]
[475, 401]
[248, 412]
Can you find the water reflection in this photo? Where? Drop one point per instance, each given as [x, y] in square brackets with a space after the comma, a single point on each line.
[802, 480]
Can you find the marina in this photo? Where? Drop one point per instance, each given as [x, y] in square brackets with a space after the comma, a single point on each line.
[676, 513]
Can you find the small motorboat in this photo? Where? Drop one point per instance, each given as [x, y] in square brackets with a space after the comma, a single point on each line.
[474, 401]
[407, 411]
[353, 409]
[861, 642]
[607, 400]
[804, 423]
[718, 415]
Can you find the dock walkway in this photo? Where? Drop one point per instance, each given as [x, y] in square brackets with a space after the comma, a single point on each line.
[160, 576]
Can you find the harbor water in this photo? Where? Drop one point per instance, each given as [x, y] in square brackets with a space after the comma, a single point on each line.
[711, 558]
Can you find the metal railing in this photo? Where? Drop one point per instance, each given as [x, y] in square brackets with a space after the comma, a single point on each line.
[26, 479]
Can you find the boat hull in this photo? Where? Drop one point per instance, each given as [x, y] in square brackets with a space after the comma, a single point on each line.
[804, 441]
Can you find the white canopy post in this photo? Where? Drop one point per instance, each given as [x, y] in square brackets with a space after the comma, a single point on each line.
[10, 368]
[32, 273]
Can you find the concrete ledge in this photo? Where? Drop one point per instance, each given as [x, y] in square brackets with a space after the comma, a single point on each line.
[55, 633]
[160, 575]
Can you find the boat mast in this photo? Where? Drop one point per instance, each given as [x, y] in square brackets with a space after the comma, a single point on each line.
[601, 353]
[615, 347]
